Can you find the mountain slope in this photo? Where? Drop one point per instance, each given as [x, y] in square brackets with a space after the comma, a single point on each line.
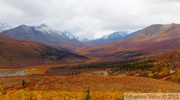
[158, 32]
[18, 53]
[150, 39]
[44, 34]
[109, 38]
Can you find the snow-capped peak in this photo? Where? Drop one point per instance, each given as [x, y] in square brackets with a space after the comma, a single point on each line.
[45, 29]
[115, 35]
[5, 26]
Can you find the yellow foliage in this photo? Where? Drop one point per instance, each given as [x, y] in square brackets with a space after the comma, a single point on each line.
[58, 95]
[164, 71]
[150, 75]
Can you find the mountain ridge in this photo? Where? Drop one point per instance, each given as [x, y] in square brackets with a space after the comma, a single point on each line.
[158, 32]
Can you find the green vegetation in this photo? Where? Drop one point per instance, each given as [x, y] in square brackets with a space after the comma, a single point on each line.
[57, 54]
[24, 82]
[113, 66]
[126, 65]
[88, 96]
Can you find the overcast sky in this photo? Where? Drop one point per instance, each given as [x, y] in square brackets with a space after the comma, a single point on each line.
[90, 18]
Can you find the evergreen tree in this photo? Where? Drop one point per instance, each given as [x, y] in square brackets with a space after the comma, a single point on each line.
[88, 96]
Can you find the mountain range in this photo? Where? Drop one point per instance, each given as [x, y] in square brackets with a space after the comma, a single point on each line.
[154, 38]
[44, 34]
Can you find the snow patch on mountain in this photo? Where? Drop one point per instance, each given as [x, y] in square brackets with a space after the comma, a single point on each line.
[46, 29]
[68, 34]
[4, 27]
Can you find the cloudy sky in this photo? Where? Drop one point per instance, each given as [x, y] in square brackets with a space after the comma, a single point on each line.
[90, 18]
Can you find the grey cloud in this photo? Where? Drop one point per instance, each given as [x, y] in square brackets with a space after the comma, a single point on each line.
[90, 18]
[26, 6]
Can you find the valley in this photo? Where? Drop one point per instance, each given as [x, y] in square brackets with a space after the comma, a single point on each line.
[40, 63]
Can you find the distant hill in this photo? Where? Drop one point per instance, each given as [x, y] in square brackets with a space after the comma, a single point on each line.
[44, 34]
[158, 32]
[17, 53]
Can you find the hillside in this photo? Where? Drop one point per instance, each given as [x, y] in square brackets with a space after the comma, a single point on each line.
[17, 53]
[158, 32]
